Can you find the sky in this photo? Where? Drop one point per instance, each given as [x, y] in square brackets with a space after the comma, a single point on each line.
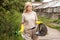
[46, 0]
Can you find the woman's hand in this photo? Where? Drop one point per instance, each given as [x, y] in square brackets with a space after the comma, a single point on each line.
[22, 28]
[38, 22]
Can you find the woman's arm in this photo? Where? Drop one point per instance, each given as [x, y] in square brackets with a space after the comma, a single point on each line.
[23, 19]
[22, 25]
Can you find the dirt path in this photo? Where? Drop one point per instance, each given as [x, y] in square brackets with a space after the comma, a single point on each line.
[53, 34]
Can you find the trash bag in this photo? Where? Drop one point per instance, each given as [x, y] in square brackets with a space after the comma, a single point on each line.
[41, 30]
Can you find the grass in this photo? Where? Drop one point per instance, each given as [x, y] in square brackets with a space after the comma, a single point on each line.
[48, 22]
[57, 21]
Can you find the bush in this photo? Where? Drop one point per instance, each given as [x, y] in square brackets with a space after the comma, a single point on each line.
[9, 23]
[10, 18]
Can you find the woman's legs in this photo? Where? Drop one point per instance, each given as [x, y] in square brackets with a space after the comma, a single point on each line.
[30, 35]
[34, 37]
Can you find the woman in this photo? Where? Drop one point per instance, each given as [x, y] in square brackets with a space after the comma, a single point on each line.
[29, 19]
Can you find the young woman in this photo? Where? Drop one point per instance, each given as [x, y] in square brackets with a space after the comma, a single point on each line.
[29, 19]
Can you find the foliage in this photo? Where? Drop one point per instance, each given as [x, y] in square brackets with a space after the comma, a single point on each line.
[57, 21]
[10, 18]
[50, 22]
[9, 23]
[13, 4]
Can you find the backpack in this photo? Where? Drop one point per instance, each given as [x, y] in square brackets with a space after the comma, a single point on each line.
[41, 30]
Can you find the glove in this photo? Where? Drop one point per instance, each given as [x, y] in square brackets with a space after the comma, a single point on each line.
[22, 28]
[38, 22]
[20, 31]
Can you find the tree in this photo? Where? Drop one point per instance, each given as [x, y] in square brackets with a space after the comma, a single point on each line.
[10, 18]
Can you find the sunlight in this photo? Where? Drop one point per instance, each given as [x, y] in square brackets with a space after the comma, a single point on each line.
[46, 0]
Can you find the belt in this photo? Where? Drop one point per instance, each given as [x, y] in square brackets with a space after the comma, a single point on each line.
[32, 28]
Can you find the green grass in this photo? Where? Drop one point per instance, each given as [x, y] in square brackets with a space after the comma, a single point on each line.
[48, 22]
[57, 21]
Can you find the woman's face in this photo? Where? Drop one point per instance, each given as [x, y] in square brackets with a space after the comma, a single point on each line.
[29, 8]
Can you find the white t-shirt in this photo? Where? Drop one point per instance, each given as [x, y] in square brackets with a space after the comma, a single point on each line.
[29, 19]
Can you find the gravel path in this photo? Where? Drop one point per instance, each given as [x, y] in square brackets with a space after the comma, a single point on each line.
[53, 34]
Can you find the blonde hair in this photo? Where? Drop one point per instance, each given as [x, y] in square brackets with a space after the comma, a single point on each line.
[26, 5]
